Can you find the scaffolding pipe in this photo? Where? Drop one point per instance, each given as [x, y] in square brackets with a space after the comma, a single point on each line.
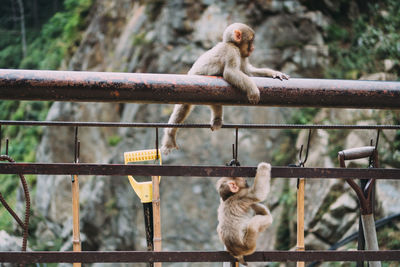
[190, 170]
[193, 89]
[194, 256]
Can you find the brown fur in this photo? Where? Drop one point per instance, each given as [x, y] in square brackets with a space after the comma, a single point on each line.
[237, 227]
[229, 59]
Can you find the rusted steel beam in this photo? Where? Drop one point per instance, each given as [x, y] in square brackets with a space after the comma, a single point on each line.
[187, 170]
[168, 88]
[195, 256]
[197, 125]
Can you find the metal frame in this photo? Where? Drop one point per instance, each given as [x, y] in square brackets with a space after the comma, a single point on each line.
[193, 89]
[190, 170]
[163, 88]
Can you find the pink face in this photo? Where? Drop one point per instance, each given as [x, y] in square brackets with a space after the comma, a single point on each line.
[241, 182]
[246, 48]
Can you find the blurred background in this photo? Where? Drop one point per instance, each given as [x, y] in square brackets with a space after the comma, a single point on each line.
[345, 39]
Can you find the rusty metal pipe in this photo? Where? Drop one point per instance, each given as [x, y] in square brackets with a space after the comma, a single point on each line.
[192, 89]
[195, 256]
[189, 170]
[198, 125]
[357, 153]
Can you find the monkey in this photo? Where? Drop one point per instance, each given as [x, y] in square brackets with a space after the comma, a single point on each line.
[228, 59]
[238, 228]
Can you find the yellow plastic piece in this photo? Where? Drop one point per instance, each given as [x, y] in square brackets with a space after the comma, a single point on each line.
[144, 190]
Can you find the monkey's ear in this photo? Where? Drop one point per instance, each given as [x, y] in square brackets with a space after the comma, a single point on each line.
[233, 187]
[237, 36]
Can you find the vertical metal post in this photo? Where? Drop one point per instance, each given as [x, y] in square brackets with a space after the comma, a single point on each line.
[361, 237]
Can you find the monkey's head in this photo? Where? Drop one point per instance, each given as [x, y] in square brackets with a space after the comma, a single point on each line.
[228, 186]
[242, 36]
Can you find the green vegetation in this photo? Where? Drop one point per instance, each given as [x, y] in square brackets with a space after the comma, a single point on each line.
[23, 141]
[47, 43]
[360, 47]
[52, 34]
[114, 140]
[389, 237]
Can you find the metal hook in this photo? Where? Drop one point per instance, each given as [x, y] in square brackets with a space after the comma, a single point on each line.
[372, 158]
[7, 147]
[377, 139]
[76, 150]
[76, 146]
[236, 144]
[234, 161]
[157, 157]
[302, 162]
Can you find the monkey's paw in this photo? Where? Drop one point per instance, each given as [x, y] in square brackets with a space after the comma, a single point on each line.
[168, 146]
[241, 260]
[263, 166]
[281, 76]
[254, 96]
[216, 124]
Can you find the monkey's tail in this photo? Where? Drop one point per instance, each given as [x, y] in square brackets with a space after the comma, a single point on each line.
[241, 260]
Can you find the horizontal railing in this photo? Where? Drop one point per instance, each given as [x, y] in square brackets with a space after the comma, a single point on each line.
[193, 89]
[197, 125]
[190, 170]
[195, 256]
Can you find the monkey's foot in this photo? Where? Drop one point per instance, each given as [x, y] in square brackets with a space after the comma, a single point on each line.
[168, 145]
[254, 96]
[241, 260]
[216, 124]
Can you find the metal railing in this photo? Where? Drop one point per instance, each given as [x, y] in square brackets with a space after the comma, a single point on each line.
[193, 89]
[162, 88]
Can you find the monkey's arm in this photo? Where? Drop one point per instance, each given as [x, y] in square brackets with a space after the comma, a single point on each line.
[265, 72]
[233, 75]
[261, 186]
[260, 209]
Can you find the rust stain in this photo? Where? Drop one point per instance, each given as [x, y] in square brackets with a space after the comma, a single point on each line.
[114, 93]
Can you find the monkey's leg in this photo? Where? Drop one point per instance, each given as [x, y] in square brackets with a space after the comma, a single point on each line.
[180, 113]
[257, 224]
[216, 117]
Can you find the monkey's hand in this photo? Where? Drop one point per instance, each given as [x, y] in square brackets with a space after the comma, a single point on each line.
[280, 76]
[253, 95]
[264, 168]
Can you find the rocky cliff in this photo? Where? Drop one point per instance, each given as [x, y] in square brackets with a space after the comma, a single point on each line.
[167, 37]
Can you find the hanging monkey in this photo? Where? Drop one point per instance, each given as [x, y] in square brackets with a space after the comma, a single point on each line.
[237, 227]
[229, 59]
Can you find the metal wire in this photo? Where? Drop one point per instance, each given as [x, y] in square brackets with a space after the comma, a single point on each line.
[192, 125]
[25, 224]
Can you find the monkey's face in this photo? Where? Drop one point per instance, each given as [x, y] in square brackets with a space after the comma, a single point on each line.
[241, 182]
[246, 47]
[228, 186]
